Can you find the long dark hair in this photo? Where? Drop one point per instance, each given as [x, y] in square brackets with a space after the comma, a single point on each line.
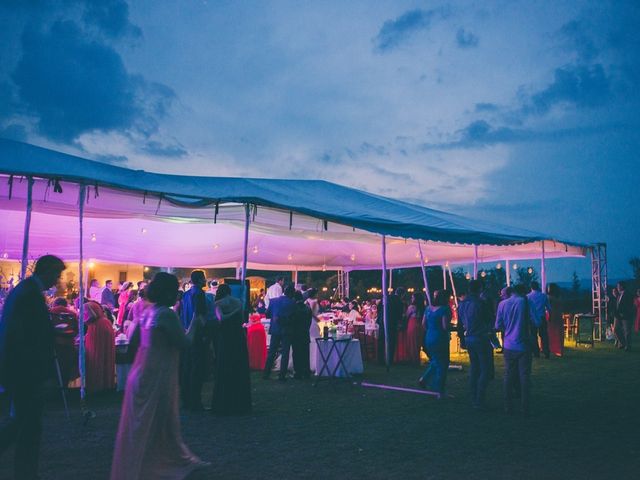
[440, 298]
[417, 299]
[163, 289]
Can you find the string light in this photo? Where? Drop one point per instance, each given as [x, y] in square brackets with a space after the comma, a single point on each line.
[216, 246]
[417, 254]
[353, 257]
[143, 231]
[324, 289]
[324, 267]
[468, 276]
[93, 237]
[530, 270]
[146, 269]
[91, 265]
[515, 266]
[498, 266]
[483, 274]
[290, 257]
[255, 249]
[5, 255]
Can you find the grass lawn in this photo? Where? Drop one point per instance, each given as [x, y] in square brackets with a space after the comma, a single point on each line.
[585, 423]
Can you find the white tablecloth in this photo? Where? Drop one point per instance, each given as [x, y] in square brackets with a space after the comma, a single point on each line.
[352, 358]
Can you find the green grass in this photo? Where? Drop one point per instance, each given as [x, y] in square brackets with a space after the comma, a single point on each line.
[584, 424]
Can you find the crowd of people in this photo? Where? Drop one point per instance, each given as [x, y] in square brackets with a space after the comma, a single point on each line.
[178, 338]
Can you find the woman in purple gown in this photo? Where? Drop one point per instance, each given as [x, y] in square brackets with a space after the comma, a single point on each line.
[149, 443]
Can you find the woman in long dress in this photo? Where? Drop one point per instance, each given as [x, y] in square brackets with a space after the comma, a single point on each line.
[314, 329]
[123, 299]
[100, 349]
[555, 323]
[232, 387]
[149, 443]
[415, 333]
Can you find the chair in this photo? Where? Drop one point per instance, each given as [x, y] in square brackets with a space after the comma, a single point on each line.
[584, 329]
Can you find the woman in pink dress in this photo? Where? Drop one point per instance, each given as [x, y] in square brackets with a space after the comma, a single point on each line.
[123, 299]
[415, 333]
[149, 443]
[100, 349]
[555, 323]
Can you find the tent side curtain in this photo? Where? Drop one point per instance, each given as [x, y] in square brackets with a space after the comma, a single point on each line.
[322, 201]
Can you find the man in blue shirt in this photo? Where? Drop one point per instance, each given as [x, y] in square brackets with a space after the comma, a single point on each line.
[540, 307]
[280, 311]
[475, 316]
[514, 318]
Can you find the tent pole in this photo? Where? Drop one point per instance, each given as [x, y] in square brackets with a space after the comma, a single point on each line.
[385, 305]
[424, 275]
[243, 273]
[444, 276]
[475, 263]
[543, 273]
[453, 286]
[81, 287]
[508, 270]
[391, 278]
[27, 226]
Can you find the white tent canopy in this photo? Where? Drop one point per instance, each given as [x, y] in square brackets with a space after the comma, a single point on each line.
[167, 220]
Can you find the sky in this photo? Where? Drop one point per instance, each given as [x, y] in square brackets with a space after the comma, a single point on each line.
[518, 112]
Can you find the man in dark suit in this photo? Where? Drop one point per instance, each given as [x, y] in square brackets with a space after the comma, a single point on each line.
[624, 314]
[26, 362]
[396, 310]
[108, 299]
[280, 311]
[193, 358]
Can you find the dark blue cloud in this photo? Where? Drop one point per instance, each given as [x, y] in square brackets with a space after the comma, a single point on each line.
[481, 133]
[74, 84]
[395, 32]
[580, 85]
[160, 150]
[465, 39]
[486, 107]
[573, 35]
[111, 17]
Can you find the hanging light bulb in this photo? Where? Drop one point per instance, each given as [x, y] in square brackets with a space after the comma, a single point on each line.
[426, 260]
[324, 267]
[483, 274]
[417, 254]
[515, 266]
[93, 237]
[446, 265]
[255, 249]
[353, 257]
[146, 269]
[216, 246]
[143, 231]
[467, 276]
[530, 270]
[498, 266]
[290, 257]
[5, 255]
[92, 264]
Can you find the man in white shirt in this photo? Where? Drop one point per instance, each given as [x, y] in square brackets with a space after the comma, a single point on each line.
[274, 291]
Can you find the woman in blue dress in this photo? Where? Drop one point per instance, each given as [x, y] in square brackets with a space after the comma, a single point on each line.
[436, 322]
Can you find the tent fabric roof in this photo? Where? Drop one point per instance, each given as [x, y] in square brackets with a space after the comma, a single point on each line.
[301, 223]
